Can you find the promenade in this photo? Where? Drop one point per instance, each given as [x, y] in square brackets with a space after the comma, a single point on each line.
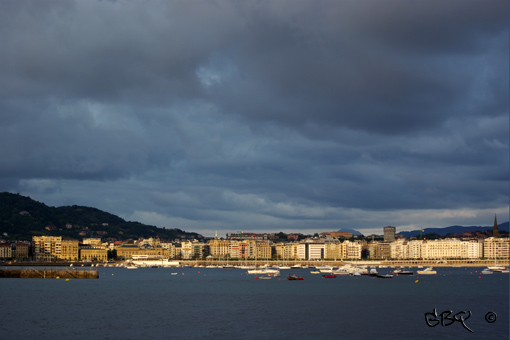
[337, 263]
[262, 262]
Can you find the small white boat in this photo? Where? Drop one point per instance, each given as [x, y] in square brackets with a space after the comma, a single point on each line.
[263, 271]
[486, 271]
[427, 271]
[131, 267]
[247, 267]
[342, 271]
[325, 269]
[496, 268]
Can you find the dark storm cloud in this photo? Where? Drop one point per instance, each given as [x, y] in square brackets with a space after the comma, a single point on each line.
[360, 81]
[271, 111]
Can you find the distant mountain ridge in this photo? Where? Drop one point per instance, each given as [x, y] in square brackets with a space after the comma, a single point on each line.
[22, 217]
[352, 231]
[456, 229]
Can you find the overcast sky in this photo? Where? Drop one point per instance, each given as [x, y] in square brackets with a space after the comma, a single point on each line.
[261, 116]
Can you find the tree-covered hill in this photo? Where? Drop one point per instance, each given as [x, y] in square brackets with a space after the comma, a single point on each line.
[21, 218]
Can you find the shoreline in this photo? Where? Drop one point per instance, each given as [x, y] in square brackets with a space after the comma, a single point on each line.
[334, 263]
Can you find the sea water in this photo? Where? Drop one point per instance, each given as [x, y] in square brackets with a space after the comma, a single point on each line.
[204, 303]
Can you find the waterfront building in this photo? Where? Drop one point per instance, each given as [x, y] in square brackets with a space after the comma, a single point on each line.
[389, 234]
[94, 254]
[233, 249]
[92, 241]
[126, 251]
[399, 249]
[200, 249]
[351, 250]
[264, 250]
[311, 250]
[279, 249]
[149, 242]
[175, 251]
[371, 250]
[46, 248]
[20, 250]
[333, 249]
[444, 249]
[69, 249]
[219, 248]
[5, 251]
[414, 249]
[378, 250]
[474, 249]
[287, 250]
[243, 250]
[250, 247]
[166, 245]
[496, 248]
[293, 250]
[186, 250]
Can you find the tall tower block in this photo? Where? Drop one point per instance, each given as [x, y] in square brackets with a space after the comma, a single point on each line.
[389, 234]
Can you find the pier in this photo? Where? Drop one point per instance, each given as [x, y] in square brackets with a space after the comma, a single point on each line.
[49, 274]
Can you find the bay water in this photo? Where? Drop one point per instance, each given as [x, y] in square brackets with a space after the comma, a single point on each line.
[204, 303]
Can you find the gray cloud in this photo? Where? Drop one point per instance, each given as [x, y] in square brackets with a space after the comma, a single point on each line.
[219, 114]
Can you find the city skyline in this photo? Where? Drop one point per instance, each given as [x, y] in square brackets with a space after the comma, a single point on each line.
[286, 116]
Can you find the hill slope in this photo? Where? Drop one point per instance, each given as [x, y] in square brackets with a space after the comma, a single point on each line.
[21, 218]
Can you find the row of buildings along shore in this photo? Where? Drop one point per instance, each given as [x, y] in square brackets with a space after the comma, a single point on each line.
[328, 246]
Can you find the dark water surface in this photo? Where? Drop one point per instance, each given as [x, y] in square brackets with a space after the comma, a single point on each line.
[203, 303]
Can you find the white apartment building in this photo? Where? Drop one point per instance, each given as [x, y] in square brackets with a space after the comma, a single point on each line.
[414, 249]
[474, 249]
[399, 249]
[311, 251]
[351, 250]
[186, 250]
[496, 248]
[233, 249]
[444, 249]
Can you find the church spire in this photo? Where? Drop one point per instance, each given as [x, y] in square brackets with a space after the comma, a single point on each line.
[495, 231]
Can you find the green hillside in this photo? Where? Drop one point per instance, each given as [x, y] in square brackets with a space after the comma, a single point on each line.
[21, 218]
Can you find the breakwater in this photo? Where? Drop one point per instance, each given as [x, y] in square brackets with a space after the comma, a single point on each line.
[49, 274]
